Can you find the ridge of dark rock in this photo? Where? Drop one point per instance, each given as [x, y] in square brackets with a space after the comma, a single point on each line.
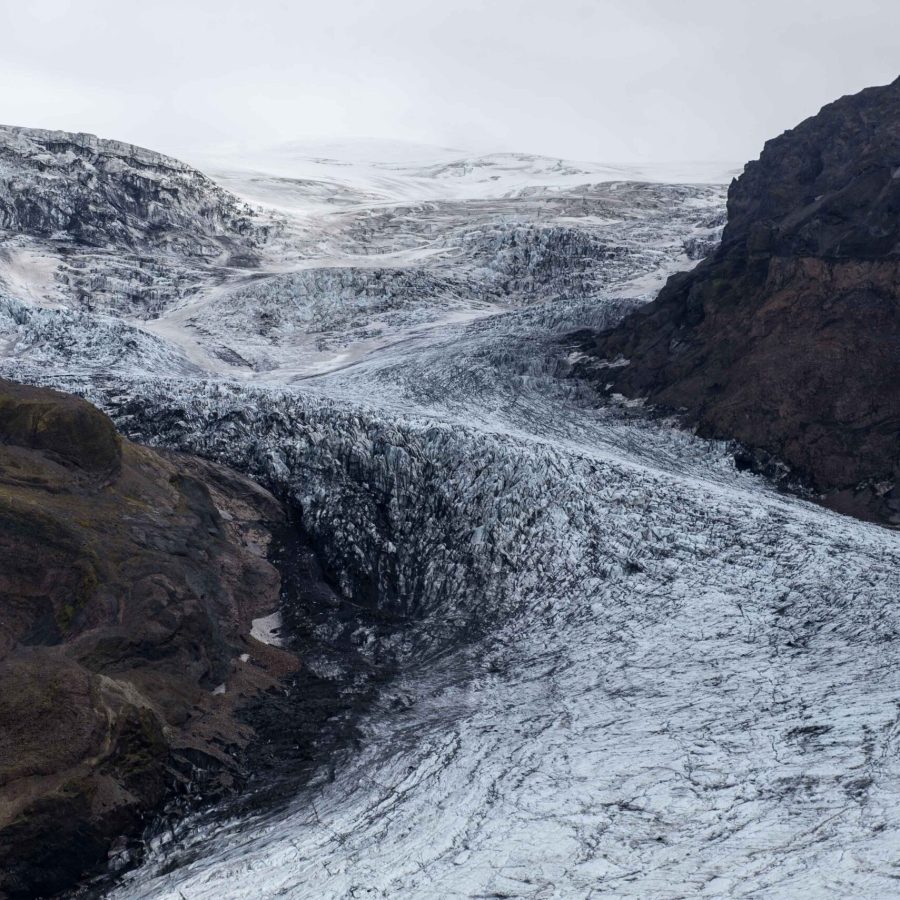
[128, 582]
[787, 338]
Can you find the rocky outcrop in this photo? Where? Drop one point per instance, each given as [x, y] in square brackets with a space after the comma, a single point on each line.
[788, 337]
[128, 582]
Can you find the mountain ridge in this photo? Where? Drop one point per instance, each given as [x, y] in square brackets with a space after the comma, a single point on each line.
[787, 337]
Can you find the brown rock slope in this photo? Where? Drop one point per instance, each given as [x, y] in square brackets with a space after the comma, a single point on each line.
[128, 580]
[788, 337]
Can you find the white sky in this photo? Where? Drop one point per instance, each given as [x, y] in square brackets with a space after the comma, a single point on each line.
[625, 81]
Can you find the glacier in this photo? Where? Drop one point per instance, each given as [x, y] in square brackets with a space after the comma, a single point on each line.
[621, 667]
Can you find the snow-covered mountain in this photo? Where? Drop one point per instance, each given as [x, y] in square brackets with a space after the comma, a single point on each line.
[367, 169]
[620, 666]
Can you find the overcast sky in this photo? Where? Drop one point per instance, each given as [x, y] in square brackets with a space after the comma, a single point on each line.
[623, 81]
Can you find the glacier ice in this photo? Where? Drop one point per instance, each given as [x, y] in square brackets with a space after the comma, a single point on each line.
[624, 667]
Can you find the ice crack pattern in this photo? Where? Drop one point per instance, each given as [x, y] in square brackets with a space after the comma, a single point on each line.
[626, 668]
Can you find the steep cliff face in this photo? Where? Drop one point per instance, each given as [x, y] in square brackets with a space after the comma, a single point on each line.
[128, 581]
[788, 337]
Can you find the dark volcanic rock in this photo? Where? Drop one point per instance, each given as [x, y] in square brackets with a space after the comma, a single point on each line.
[128, 580]
[788, 337]
[61, 425]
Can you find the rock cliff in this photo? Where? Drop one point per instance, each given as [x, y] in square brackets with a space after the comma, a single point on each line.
[787, 338]
[128, 581]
